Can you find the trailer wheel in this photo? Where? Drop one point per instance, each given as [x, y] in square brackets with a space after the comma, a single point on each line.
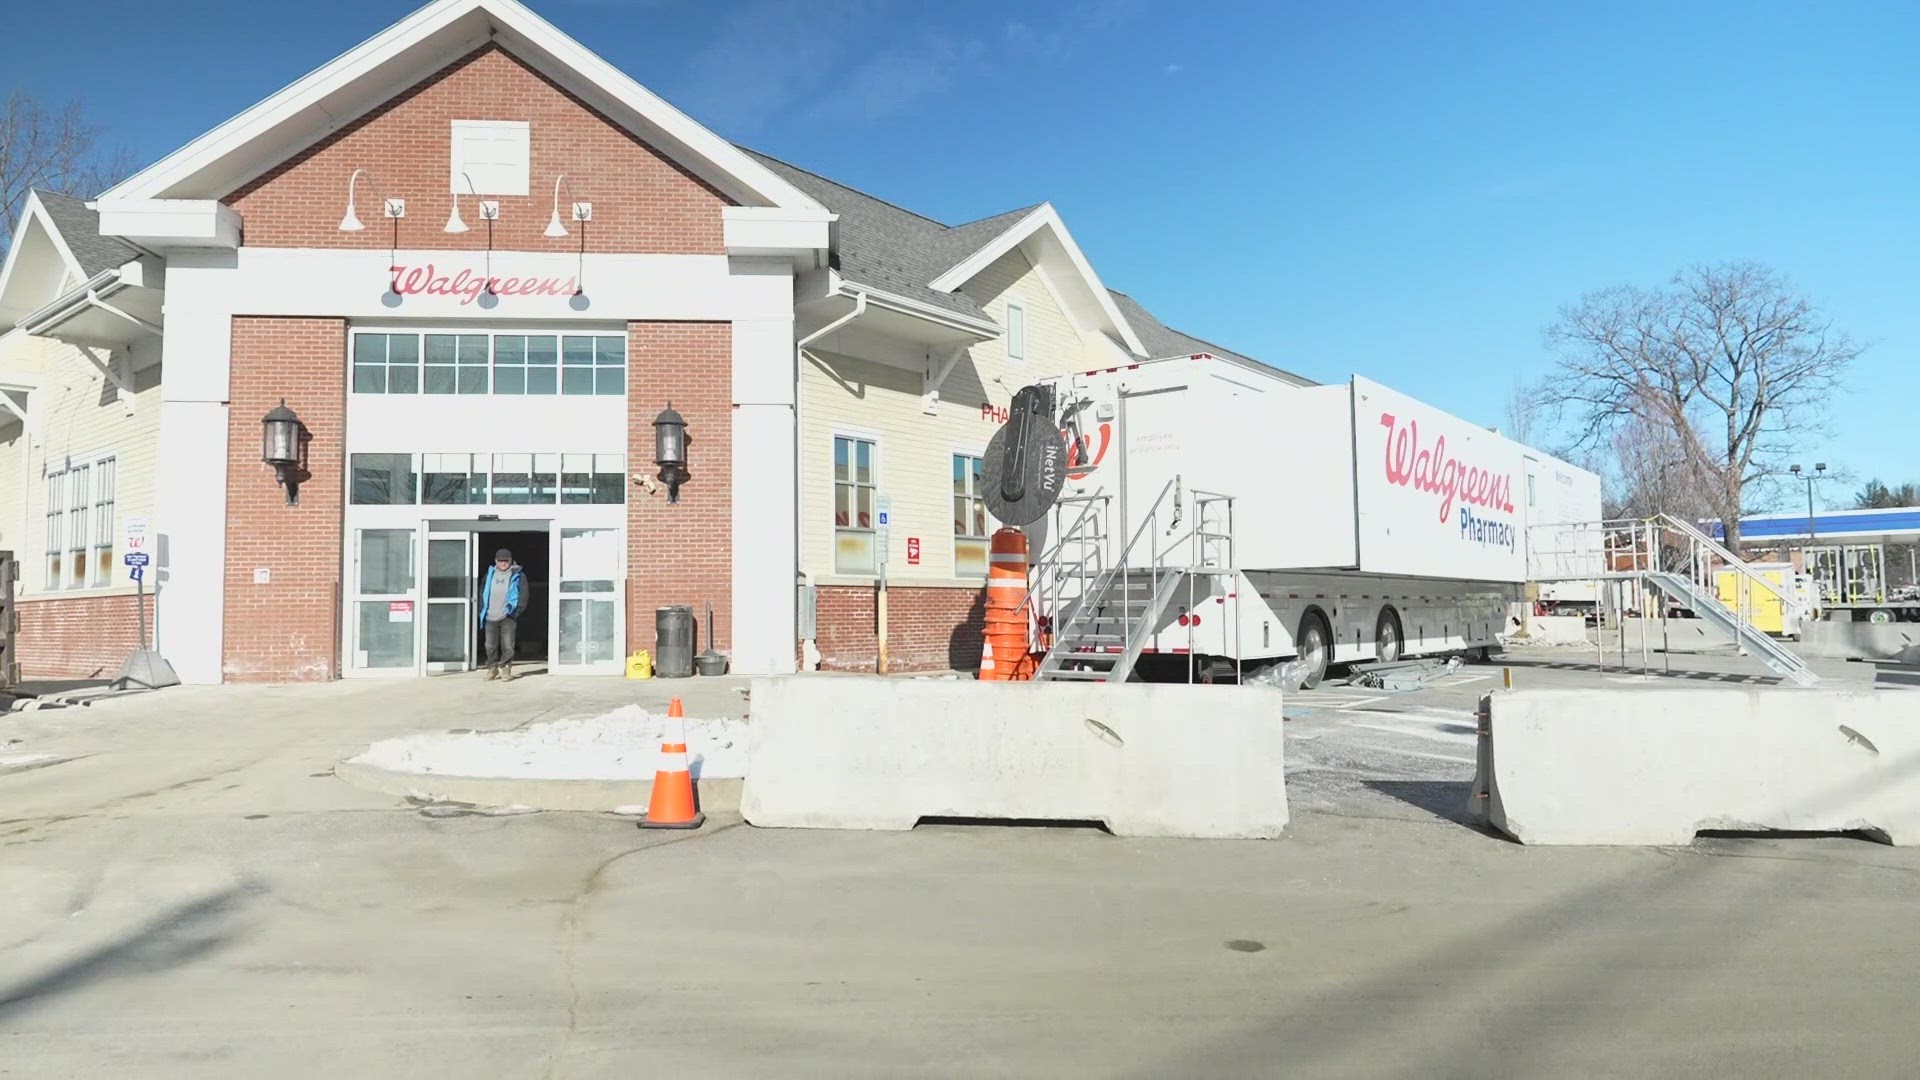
[1880, 616]
[1387, 638]
[1315, 645]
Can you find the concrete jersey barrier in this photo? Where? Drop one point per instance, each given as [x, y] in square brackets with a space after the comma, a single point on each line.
[1146, 760]
[1657, 766]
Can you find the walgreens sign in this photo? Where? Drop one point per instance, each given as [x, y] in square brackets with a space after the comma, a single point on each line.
[1432, 469]
[1438, 496]
[430, 280]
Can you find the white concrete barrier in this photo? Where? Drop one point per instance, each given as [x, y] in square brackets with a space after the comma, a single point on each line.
[1146, 760]
[1555, 630]
[1860, 640]
[1636, 766]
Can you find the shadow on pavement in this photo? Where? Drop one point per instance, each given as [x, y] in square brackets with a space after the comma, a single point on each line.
[1441, 798]
[171, 940]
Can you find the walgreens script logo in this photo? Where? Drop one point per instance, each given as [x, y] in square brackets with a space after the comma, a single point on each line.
[1430, 469]
[467, 285]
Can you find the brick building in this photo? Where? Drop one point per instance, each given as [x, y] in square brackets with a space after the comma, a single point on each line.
[477, 261]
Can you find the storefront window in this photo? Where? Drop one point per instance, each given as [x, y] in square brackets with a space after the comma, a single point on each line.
[609, 366]
[383, 480]
[386, 363]
[526, 479]
[969, 516]
[593, 478]
[575, 365]
[453, 479]
[543, 358]
[456, 363]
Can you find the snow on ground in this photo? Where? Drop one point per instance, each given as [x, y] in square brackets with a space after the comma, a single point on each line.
[621, 745]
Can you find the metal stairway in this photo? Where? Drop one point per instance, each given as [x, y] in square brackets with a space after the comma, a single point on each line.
[1108, 625]
[1684, 564]
[1110, 611]
[1708, 606]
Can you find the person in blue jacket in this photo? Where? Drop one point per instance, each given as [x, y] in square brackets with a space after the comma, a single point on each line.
[503, 597]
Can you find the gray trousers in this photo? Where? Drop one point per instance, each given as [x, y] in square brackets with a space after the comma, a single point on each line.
[499, 641]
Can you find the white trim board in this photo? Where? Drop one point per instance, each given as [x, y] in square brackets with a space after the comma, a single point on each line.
[331, 97]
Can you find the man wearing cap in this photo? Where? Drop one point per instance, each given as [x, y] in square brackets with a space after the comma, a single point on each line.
[503, 596]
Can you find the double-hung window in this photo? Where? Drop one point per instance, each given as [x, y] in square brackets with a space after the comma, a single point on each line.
[854, 479]
[80, 523]
[969, 516]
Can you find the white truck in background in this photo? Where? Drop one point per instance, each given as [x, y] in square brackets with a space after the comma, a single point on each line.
[1218, 517]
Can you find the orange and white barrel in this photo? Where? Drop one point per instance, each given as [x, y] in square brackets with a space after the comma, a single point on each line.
[1005, 655]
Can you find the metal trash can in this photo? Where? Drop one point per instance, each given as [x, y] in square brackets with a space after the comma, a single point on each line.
[674, 640]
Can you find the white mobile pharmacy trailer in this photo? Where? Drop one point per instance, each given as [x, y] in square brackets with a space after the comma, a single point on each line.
[1257, 519]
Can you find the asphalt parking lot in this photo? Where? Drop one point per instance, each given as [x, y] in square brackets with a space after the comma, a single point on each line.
[192, 894]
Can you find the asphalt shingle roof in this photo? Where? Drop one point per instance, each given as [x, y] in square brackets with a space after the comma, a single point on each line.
[896, 250]
[1163, 341]
[80, 228]
[890, 248]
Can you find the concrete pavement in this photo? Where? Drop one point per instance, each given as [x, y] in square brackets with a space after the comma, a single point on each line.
[188, 899]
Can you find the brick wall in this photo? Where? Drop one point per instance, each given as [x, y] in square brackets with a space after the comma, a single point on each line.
[78, 637]
[642, 201]
[680, 553]
[927, 629]
[287, 630]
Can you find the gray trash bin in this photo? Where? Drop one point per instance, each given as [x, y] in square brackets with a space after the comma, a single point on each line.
[673, 636]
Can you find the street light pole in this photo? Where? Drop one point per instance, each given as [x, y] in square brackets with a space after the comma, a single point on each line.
[1819, 467]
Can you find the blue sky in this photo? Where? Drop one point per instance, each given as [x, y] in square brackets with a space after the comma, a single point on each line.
[1409, 191]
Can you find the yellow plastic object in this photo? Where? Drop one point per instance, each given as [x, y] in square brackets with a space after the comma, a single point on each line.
[1763, 607]
[640, 665]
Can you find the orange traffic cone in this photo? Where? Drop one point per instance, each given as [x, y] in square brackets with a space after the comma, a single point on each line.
[671, 806]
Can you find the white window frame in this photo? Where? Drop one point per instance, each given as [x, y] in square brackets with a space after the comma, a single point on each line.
[1016, 331]
[953, 546]
[490, 178]
[833, 500]
[492, 332]
[93, 534]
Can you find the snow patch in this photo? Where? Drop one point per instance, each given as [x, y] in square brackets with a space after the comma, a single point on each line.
[621, 745]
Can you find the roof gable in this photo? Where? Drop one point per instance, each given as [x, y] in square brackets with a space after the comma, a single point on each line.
[58, 240]
[1044, 238]
[360, 80]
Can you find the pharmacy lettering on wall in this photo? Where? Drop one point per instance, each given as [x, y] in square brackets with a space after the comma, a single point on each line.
[430, 280]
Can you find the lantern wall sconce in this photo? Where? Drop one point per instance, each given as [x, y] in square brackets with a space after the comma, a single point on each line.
[280, 448]
[670, 450]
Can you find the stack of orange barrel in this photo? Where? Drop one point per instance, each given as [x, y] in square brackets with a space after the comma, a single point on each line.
[1005, 657]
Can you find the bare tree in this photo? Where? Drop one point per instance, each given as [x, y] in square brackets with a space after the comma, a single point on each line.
[50, 148]
[1521, 421]
[1645, 472]
[1729, 360]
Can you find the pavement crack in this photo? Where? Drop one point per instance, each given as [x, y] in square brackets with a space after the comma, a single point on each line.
[576, 918]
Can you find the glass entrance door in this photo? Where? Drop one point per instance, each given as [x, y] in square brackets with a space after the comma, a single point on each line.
[383, 597]
[450, 586]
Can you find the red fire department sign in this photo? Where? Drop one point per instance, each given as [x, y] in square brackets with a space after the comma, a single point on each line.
[913, 551]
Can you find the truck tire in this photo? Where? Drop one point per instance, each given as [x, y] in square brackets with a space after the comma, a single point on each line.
[1315, 647]
[1388, 641]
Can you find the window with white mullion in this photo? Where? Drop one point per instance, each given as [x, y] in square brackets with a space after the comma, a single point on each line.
[104, 482]
[56, 529]
[78, 478]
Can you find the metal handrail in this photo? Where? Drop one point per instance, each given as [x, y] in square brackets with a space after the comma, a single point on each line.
[1047, 567]
[1199, 564]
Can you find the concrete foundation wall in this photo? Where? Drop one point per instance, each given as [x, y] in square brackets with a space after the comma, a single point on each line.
[1657, 766]
[1147, 760]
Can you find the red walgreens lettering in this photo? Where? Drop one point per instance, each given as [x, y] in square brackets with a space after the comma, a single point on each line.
[1430, 469]
[467, 285]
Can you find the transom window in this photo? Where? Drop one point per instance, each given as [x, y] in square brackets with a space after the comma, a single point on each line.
[517, 364]
[539, 479]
